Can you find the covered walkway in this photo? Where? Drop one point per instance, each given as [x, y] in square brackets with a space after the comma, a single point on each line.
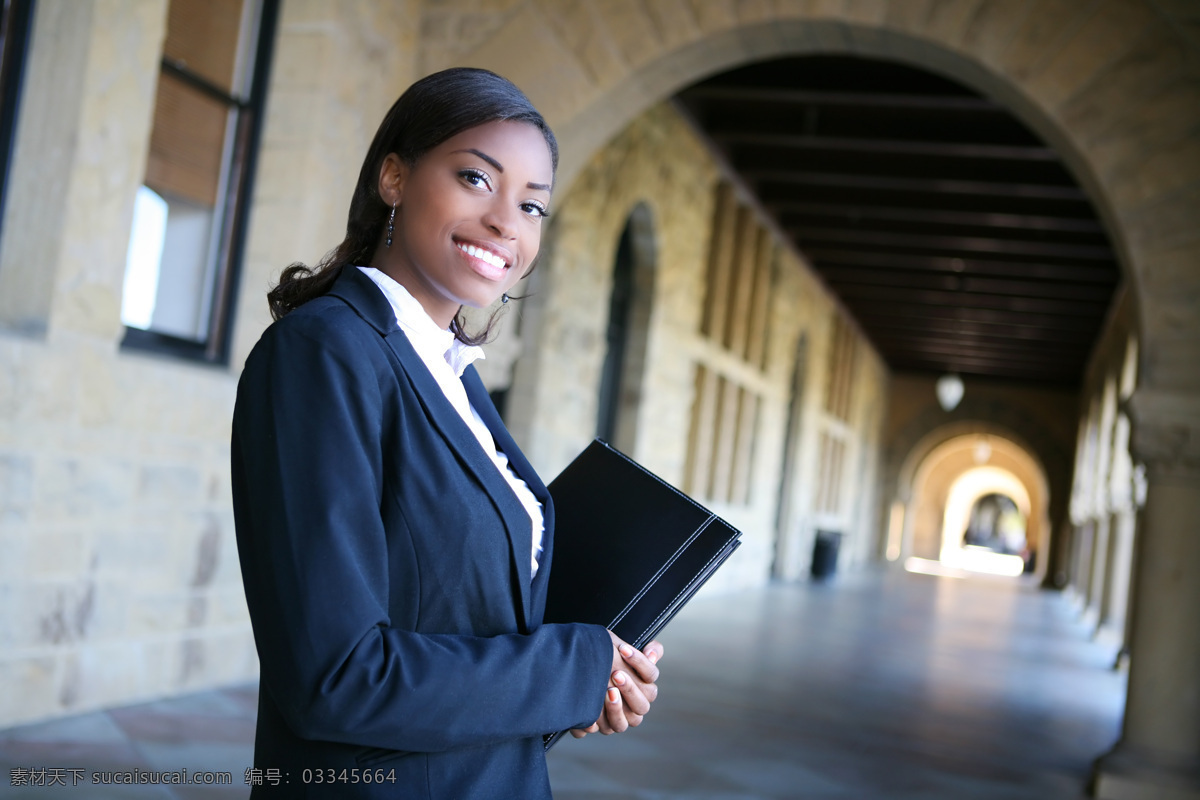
[880, 685]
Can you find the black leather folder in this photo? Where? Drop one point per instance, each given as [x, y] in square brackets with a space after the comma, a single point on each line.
[629, 549]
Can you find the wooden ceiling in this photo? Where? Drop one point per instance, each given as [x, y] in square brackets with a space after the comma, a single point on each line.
[959, 240]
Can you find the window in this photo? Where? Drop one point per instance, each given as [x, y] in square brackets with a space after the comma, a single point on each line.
[729, 391]
[836, 434]
[15, 21]
[189, 218]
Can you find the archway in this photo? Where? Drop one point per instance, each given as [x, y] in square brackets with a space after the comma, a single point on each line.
[986, 524]
[949, 478]
[630, 302]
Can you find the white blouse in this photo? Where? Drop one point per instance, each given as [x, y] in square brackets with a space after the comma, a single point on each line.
[446, 358]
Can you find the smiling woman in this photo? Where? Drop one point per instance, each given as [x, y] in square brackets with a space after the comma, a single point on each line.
[395, 544]
[418, 128]
[468, 216]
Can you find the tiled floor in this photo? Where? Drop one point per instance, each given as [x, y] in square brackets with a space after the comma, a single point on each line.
[876, 686]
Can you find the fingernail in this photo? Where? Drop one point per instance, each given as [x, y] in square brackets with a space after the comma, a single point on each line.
[653, 657]
[626, 650]
[619, 678]
[614, 696]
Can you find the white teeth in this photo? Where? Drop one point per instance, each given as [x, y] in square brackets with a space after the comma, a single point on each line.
[483, 255]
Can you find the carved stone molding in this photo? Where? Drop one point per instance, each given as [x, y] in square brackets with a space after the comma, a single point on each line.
[1166, 432]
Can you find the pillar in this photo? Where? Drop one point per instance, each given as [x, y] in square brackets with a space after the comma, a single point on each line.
[1081, 564]
[1158, 754]
[1120, 564]
[1098, 571]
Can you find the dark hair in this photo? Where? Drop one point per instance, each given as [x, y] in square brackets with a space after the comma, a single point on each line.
[429, 112]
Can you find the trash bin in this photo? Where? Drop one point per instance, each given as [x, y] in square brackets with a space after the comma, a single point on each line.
[825, 554]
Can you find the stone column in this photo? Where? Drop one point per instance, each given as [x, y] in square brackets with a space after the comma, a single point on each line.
[1158, 755]
[1113, 610]
[1081, 564]
[1098, 569]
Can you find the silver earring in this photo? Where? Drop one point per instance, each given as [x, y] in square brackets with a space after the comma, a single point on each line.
[391, 226]
[504, 298]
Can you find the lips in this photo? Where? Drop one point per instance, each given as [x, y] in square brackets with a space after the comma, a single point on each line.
[488, 261]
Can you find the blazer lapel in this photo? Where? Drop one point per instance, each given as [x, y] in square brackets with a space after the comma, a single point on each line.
[481, 401]
[364, 296]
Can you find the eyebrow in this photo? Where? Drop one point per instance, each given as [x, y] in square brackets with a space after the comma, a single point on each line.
[500, 168]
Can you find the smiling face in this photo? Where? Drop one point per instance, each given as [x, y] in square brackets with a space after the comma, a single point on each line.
[468, 216]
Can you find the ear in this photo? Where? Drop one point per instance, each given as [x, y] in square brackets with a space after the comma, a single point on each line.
[393, 172]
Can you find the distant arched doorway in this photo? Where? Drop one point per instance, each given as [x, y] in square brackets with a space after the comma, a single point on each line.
[947, 486]
[985, 526]
[630, 301]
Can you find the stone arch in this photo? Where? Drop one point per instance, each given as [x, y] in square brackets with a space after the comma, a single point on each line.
[1112, 87]
[972, 487]
[941, 458]
[933, 427]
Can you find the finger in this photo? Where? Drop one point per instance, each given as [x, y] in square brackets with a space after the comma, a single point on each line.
[635, 696]
[633, 719]
[614, 711]
[639, 663]
[654, 652]
[602, 725]
[578, 734]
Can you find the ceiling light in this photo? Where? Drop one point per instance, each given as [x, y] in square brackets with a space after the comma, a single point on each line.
[949, 391]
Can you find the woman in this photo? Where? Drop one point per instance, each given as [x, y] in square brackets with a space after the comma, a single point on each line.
[395, 544]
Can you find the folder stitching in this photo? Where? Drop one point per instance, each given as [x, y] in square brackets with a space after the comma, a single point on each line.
[684, 589]
[661, 570]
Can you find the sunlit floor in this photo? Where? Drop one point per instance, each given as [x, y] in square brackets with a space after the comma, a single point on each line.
[878, 685]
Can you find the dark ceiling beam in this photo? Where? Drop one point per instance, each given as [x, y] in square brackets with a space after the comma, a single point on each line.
[901, 323]
[973, 219]
[895, 294]
[980, 359]
[866, 308]
[1074, 273]
[955, 360]
[1015, 350]
[941, 187]
[887, 147]
[970, 367]
[967, 245]
[967, 285]
[976, 365]
[753, 159]
[905, 102]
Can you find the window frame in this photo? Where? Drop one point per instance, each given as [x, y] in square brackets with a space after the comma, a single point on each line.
[16, 29]
[232, 216]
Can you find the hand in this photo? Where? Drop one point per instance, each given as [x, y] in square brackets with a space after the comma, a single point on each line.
[631, 688]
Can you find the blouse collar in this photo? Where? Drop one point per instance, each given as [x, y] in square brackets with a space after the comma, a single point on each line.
[426, 337]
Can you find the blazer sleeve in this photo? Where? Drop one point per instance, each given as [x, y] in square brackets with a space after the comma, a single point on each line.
[307, 479]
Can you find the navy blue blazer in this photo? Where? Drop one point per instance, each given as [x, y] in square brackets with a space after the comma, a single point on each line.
[386, 569]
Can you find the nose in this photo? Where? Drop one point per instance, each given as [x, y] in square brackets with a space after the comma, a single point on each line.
[501, 219]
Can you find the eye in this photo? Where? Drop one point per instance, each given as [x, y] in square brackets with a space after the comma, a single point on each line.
[535, 209]
[476, 178]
